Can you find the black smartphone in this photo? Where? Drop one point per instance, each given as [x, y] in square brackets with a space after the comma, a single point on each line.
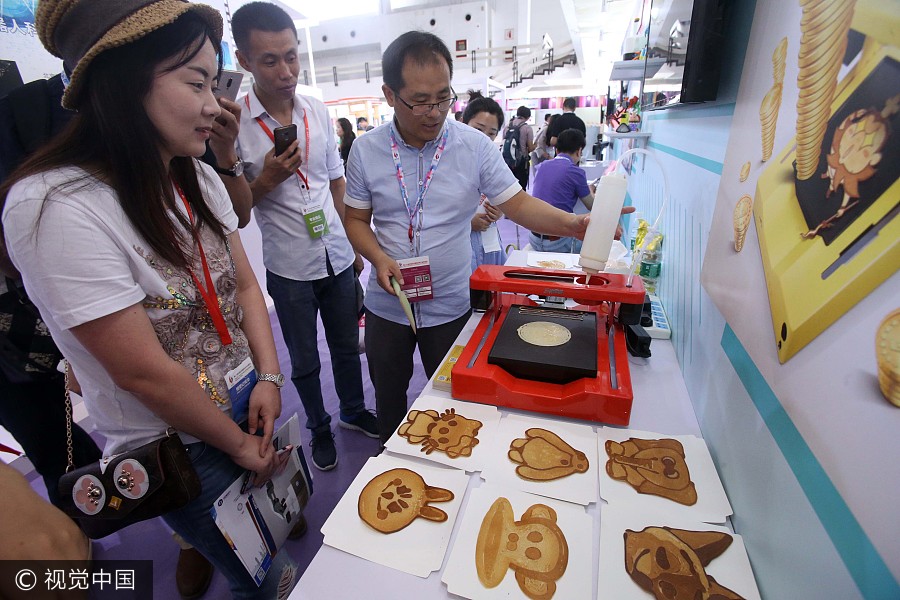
[284, 137]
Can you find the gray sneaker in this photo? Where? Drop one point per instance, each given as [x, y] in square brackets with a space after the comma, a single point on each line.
[363, 422]
[324, 454]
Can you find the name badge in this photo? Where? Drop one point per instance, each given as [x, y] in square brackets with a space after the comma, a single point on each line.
[316, 224]
[240, 381]
[417, 278]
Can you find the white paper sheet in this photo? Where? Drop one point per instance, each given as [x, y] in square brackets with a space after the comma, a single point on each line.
[731, 569]
[616, 263]
[489, 417]
[490, 239]
[712, 504]
[579, 487]
[417, 549]
[461, 576]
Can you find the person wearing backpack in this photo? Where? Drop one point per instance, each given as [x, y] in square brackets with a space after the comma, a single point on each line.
[518, 143]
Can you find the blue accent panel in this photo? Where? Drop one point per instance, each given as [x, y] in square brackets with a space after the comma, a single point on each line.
[704, 163]
[692, 112]
[626, 220]
[862, 560]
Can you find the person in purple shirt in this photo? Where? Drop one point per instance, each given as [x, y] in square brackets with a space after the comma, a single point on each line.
[561, 183]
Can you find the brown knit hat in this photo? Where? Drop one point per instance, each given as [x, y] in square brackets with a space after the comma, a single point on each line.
[78, 30]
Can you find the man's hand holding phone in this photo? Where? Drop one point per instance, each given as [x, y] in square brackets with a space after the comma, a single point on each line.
[284, 137]
[277, 167]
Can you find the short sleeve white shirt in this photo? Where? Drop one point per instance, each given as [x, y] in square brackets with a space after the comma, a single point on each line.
[87, 261]
[288, 248]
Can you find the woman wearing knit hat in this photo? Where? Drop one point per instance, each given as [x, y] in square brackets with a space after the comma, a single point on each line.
[129, 248]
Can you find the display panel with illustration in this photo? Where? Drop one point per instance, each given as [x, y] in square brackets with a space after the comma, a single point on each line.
[827, 204]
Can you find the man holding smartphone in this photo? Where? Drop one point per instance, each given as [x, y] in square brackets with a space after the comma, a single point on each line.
[298, 196]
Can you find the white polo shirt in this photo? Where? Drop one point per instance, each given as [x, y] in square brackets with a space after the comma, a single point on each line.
[288, 249]
[87, 261]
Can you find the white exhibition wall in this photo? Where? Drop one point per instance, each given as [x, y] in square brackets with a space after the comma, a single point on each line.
[807, 449]
[486, 28]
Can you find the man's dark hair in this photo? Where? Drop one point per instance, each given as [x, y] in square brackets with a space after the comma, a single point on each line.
[360, 120]
[524, 112]
[570, 141]
[262, 16]
[547, 117]
[419, 46]
[568, 103]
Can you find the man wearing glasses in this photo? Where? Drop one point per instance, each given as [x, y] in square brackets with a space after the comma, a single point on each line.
[419, 181]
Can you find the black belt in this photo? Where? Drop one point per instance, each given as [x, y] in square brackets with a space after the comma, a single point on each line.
[549, 238]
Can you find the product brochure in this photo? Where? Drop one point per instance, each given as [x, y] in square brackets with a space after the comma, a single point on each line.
[257, 522]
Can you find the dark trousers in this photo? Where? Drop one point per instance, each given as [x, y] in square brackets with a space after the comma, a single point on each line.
[35, 415]
[521, 173]
[297, 304]
[389, 349]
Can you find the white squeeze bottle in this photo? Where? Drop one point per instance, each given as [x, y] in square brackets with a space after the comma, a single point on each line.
[601, 231]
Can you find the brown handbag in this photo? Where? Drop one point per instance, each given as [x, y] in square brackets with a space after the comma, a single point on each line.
[117, 491]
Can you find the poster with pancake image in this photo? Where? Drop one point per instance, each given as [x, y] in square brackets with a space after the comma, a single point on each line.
[547, 457]
[671, 555]
[445, 431]
[812, 227]
[399, 513]
[805, 298]
[512, 544]
[660, 473]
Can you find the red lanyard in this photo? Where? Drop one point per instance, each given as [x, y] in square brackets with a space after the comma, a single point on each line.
[269, 133]
[209, 292]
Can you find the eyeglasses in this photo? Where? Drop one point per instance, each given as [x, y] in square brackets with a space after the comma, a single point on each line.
[420, 110]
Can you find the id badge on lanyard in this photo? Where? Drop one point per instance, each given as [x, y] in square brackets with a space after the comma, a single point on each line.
[316, 223]
[416, 278]
[240, 382]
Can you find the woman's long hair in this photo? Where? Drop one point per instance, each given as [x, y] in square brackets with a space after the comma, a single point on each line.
[112, 138]
[347, 133]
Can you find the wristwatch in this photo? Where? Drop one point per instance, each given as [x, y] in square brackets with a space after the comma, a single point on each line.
[276, 378]
[236, 170]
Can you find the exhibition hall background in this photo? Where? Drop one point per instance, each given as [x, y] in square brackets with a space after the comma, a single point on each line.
[807, 449]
